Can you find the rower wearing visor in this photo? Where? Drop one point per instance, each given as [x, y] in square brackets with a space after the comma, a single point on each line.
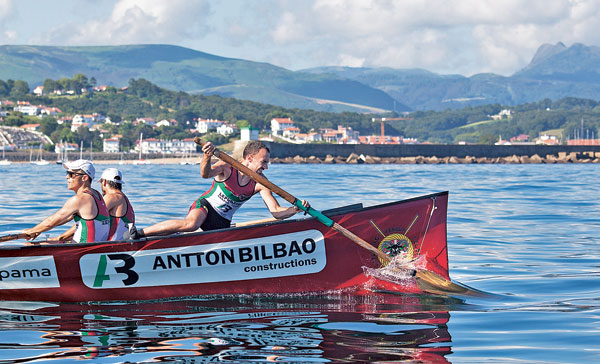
[122, 216]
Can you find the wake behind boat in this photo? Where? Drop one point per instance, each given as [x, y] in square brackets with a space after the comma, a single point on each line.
[283, 257]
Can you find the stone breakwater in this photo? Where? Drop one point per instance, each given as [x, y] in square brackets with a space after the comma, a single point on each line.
[563, 157]
[432, 153]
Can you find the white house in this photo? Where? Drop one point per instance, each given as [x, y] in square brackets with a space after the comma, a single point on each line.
[147, 121]
[504, 113]
[62, 148]
[165, 122]
[204, 125]
[226, 129]
[51, 111]
[280, 124]
[290, 132]
[38, 91]
[111, 145]
[174, 146]
[308, 137]
[27, 109]
[349, 136]
[86, 120]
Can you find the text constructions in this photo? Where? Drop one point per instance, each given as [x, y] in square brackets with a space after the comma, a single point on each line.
[273, 256]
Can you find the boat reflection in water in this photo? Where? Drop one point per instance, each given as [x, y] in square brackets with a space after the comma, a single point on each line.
[339, 327]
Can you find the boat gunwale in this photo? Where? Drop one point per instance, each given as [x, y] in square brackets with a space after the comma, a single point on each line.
[200, 233]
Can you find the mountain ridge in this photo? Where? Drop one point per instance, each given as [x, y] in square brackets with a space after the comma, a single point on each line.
[555, 71]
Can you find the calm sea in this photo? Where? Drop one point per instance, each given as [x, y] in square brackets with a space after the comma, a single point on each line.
[527, 234]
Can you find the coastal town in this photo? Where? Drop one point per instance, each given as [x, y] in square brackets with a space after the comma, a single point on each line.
[31, 134]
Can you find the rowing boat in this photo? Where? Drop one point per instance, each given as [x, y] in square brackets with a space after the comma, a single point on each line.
[283, 257]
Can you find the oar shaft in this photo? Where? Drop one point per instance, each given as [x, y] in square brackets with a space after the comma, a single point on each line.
[12, 237]
[358, 240]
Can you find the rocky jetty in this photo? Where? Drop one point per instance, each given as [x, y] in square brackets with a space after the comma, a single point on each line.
[562, 157]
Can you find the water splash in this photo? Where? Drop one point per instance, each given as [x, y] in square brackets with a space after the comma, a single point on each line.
[400, 270]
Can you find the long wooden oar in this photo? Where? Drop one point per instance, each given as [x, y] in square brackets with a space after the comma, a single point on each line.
[294, 201]
[12, 237]
[426, 280]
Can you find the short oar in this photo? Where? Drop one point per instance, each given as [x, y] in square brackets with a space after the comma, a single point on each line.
[12, 237]
[427, 281]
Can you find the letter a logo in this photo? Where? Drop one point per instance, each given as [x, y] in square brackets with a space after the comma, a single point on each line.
[101, 272]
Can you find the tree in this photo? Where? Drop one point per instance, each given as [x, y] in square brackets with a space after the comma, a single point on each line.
[4, 89]
[242, 124]
[48, 125]
[488, 139]
[50, 86]
[20, 88]
[80, 81]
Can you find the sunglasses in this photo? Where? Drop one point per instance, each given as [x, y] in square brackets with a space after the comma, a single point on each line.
[70, 174]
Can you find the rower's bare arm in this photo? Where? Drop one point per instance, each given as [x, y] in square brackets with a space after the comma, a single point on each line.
[66, 236]
[219, 169]
[208, 170]
[277, 211]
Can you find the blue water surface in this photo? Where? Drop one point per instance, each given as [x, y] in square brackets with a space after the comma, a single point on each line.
[526, 234]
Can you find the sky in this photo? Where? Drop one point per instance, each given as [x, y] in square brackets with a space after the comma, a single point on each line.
[444, 36]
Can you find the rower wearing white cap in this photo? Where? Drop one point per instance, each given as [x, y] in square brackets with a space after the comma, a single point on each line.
[87, 208]
[122, 216]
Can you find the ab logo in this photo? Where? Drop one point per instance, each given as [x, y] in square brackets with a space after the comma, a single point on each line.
[128, 263]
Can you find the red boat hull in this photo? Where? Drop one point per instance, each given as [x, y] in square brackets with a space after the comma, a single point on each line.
[296, 256]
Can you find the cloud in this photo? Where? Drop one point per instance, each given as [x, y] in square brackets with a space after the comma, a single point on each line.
[7, 12]
[7, 35]
[135, 21]
[460, 36]
[444, 36]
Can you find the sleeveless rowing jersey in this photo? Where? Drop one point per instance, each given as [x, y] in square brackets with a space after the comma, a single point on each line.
[96, 229]
[228, 196]
[121, 224]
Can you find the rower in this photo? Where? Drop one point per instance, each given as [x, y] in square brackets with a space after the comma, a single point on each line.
[87, 208]
[230, 189]
[122, 216]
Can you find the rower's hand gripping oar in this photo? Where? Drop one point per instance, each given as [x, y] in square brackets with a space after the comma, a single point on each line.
[426, 280]
[294, 201]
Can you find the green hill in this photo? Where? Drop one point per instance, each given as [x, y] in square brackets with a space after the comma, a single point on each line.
[182, 69]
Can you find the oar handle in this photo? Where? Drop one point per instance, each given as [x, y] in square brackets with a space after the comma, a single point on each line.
[294, 201]
[12, 237]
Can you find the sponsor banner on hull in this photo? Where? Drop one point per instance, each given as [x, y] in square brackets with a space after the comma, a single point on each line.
[283, 255]
[28, 272]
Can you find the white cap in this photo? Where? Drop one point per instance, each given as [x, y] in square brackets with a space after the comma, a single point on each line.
[112, 174]
[81, 164]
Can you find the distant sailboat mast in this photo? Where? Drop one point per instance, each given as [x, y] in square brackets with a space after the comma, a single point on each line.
[141, 134]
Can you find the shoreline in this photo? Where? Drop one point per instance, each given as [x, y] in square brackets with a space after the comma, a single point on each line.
[563, 157]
